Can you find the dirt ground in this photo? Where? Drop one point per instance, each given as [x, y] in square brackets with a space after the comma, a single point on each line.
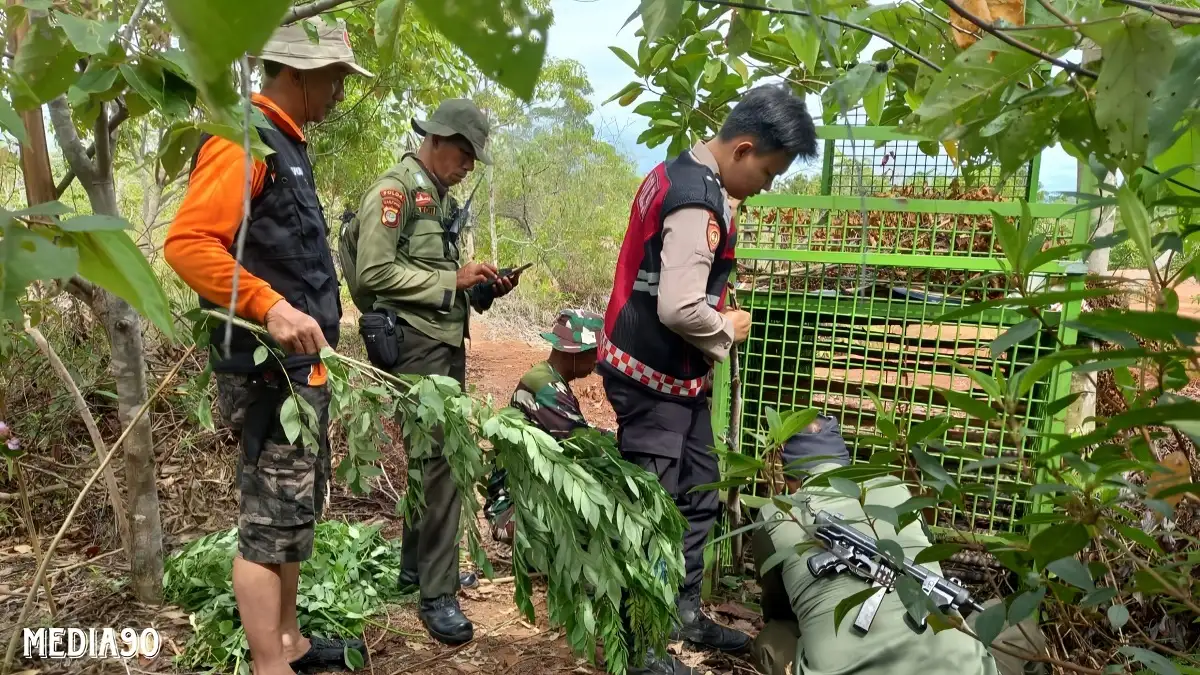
[197, 492]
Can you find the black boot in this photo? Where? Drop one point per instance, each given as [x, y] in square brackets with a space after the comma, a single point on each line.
[657, 665]
[445, 621]
[699, 630]
[409, 582]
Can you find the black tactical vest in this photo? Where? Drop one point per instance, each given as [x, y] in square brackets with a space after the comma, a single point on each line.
[287, 246]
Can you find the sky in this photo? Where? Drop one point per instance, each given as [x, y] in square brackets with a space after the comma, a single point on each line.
[584, 29]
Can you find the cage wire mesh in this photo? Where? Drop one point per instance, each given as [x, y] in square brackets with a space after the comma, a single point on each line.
[841, 307]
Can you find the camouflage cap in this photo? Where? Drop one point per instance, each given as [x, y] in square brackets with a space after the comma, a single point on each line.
[575, 331]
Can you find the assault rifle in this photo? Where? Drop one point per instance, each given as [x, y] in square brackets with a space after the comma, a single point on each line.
[848, 550]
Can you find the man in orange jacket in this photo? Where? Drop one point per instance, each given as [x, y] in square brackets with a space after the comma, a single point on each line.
[286, 281]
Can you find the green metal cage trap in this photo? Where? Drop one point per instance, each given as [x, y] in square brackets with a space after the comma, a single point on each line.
[841, 306]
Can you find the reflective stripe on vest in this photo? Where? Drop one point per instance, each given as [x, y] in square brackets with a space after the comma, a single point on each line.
[647, 376]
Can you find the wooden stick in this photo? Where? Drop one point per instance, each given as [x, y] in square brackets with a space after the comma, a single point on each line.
[110, 476]
[62, 530]
[34, 537]
[734, 436]
[11, 497]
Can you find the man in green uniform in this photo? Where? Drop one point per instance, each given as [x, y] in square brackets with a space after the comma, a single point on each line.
[799, 636]
[544, 395]
[400, 257]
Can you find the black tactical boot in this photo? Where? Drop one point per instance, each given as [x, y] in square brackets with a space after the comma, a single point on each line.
[657, 665]
[410, 583]
[699, 630]
[445, 621]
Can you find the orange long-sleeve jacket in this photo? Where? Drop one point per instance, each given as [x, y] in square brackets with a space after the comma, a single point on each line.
[201, 239]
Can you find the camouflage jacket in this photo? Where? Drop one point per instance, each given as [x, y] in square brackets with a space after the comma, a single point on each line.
[547, 401]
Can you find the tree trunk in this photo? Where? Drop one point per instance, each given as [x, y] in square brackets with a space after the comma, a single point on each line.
[492, 216]
[128, 362]
[35, 157]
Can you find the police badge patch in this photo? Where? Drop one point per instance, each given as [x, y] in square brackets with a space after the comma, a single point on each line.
[392, 202]
[713, 234]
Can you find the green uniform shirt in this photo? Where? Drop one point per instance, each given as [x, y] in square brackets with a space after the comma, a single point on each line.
[396, 253]
[891, 646]
[548, 402]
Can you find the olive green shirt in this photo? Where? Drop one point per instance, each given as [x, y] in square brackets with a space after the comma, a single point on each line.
[891, 646]
[396, 253]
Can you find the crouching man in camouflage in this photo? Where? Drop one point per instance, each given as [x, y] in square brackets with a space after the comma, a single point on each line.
[544, 395]
[799, 637]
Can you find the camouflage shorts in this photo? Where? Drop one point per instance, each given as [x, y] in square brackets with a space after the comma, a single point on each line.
[282, 485]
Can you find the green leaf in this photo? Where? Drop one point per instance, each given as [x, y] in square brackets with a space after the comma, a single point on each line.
[971, 467]
[1059, 541]
[1118, 615]
[740, 35]
[111, 260]
[1073, 572]
[260, 354]
[1038, 300]
[848, 604]
[631, 88]
[27, 257]
[505, 40]
[796, 421]
[986, 68]
[660, 17]
[1025, 604]
[1140, 537]
[1137, 56]
[804, 41]
[1012, 336]
[1098, 597]
[94, 223]
[932, 468]
[178, 147]
[88, 36]
[846, 487]
[968, 404]
[1136, 220]
[354, 658]
[849, 89]
[932, 427]
[45, 64]
[937, 553]
[1159, 664]
[776, 559]
[11, 122]
[873, 101]
[990, 624]
[775, 426]
[887, 514]
[216, 33]
[627, 59]
[388, 16]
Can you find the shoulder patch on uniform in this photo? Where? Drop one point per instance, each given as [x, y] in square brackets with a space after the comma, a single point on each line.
[423, 199]
[392, 202]
[713, 234]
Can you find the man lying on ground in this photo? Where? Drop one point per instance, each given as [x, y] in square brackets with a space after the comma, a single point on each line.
[799, 636]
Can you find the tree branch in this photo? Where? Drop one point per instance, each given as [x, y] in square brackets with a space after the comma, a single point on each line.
[311, 9]
[127, 32]
[1165, 9]
[991, 29]
[62, 530]
[115, 121]
[103, 145]
[68, 139]
[830, 19]
[110, 477]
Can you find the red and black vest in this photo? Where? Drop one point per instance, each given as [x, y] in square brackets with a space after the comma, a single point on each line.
[635, 344]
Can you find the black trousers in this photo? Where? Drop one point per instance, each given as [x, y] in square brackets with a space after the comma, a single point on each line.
[673, 440]
[430, 548]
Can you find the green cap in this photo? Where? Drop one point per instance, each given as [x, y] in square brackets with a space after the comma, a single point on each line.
[575, 331]
[459, 116]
